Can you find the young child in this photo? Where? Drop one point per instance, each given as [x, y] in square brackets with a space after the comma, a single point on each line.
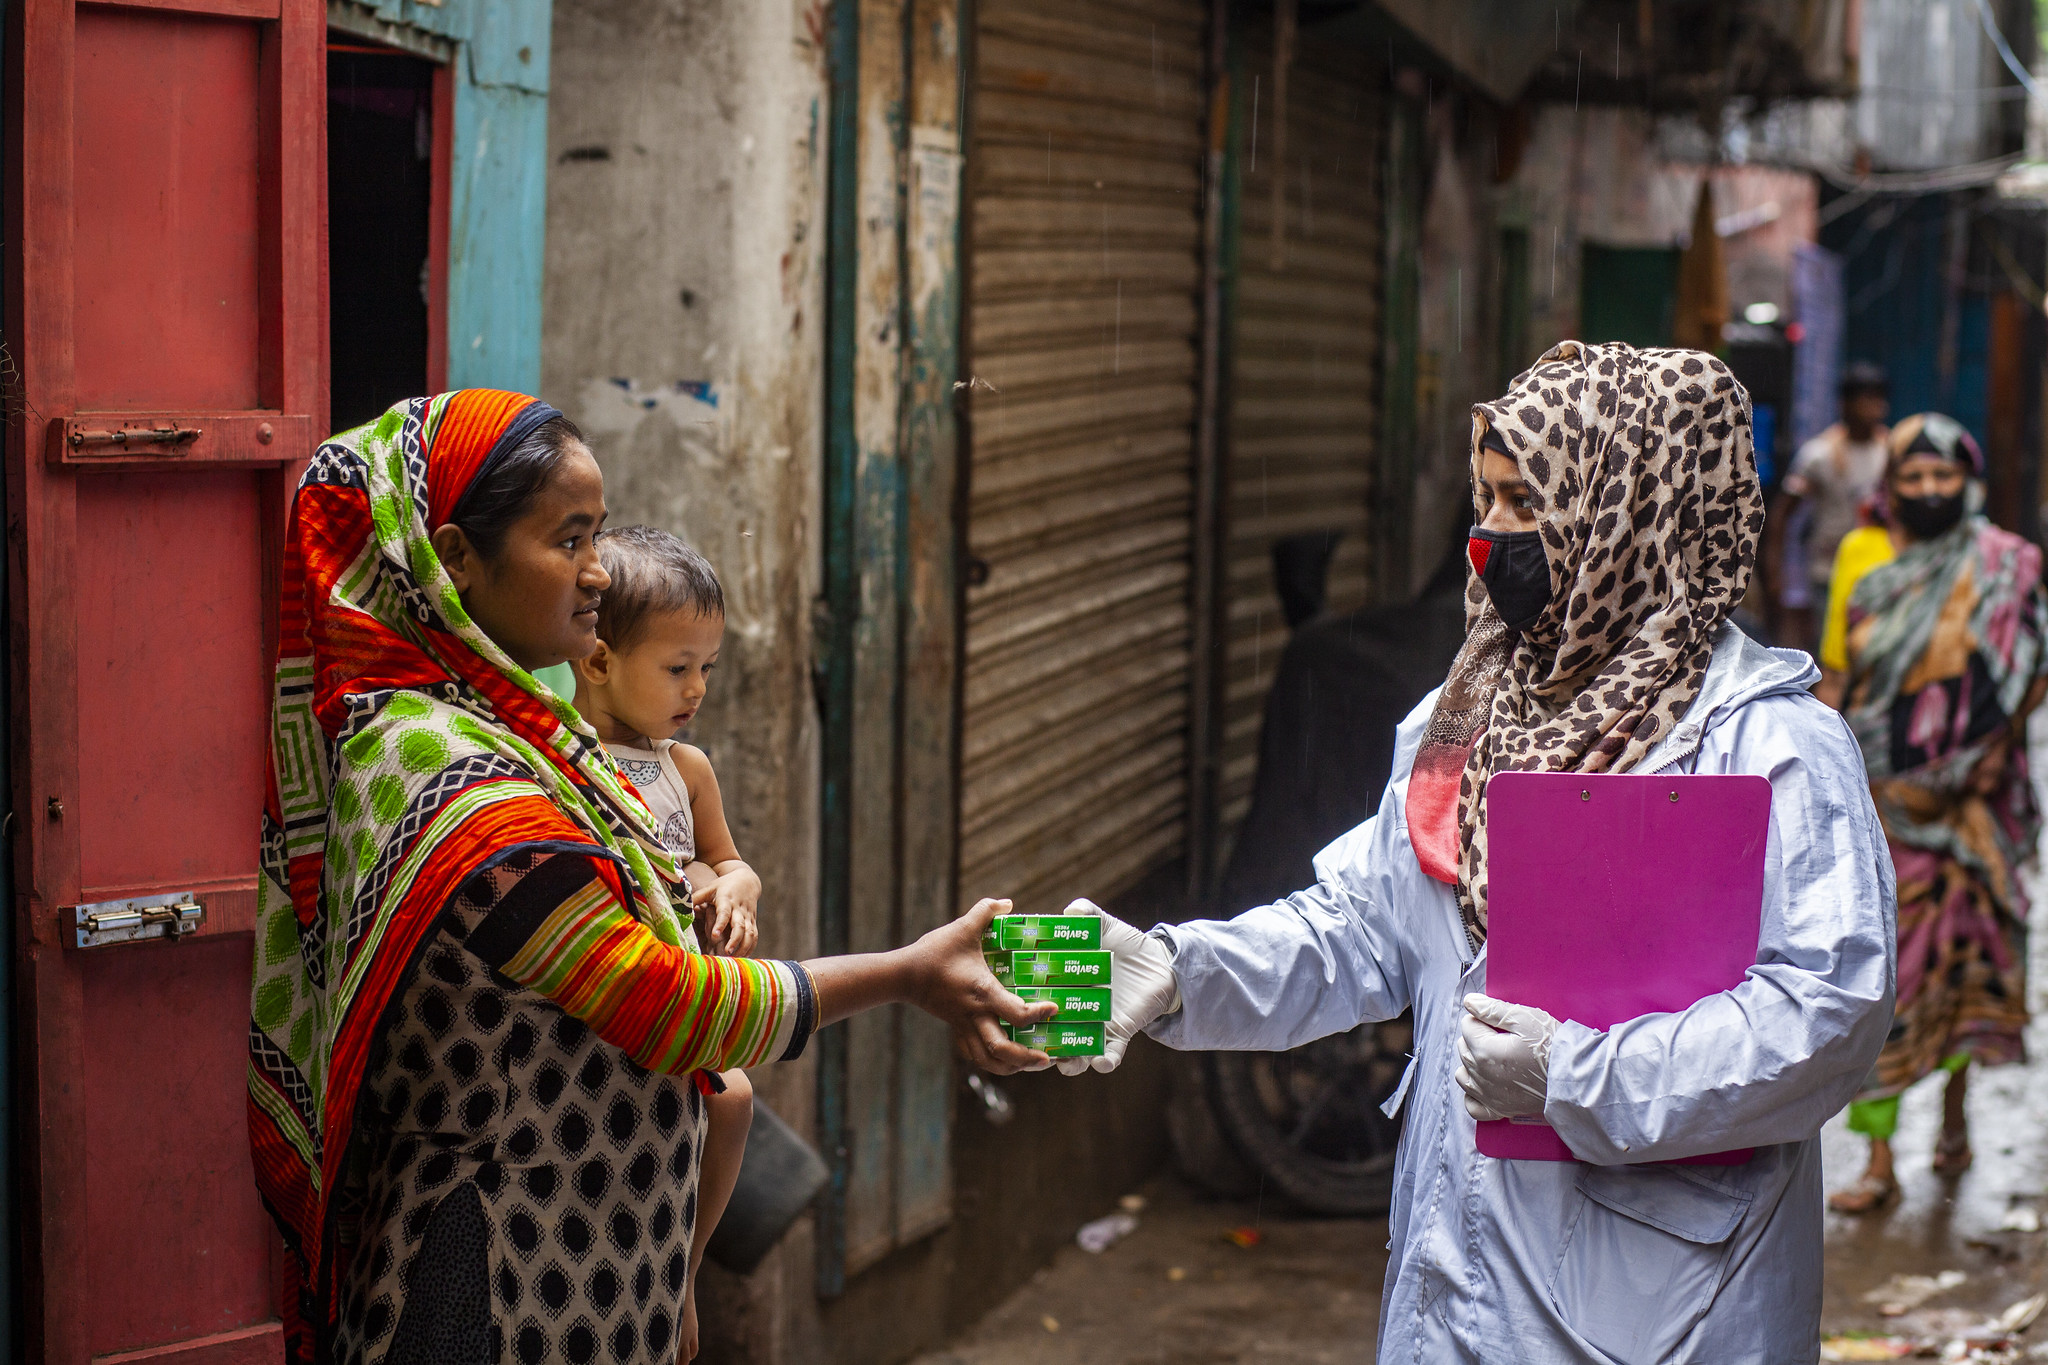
[658, 631]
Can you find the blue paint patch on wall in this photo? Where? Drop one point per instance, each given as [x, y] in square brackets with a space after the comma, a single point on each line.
[497, 230]
[497, 209]
[703, 390]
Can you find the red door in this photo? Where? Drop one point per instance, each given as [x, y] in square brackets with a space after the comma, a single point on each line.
[165, 306]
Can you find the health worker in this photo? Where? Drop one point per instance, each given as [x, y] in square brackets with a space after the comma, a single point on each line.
[1619, 516]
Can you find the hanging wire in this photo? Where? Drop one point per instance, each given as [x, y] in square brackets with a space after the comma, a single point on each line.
[1963, 177]
[2012, 63]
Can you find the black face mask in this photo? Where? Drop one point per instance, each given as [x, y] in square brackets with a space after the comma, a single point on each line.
[1515, 571]
[1928, 517]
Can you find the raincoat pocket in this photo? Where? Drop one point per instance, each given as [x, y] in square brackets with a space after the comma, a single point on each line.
[1643, 1256]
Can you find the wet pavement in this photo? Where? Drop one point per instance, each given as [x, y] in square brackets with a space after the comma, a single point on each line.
[1179, 1291]
[1986, 1226]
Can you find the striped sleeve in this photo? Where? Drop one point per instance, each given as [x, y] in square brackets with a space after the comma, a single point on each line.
[559, 929]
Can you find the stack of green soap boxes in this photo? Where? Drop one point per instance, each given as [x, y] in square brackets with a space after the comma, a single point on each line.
[1057, 958]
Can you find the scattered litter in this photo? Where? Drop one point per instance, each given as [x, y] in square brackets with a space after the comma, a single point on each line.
[1949, 1334]
[1244, 1237]
[2025, 1218]
[1177, 1273]
[2021, 1315]
[1050, 1323]
[973, 382]
[1104, 1233]
[1932, 1327]
[1867, 1348]
[1903, 1293]
[1132, 1203]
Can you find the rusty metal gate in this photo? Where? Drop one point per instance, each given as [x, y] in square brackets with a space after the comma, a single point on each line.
[1303, 358]
[1082, 341]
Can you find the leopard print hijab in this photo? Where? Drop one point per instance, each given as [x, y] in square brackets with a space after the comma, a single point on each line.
[1644, 484]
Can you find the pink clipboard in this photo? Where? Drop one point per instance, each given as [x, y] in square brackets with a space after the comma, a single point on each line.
[1612, 897]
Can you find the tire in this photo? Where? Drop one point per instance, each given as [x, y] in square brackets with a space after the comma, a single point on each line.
[1205, 1157]
[1309, 1120]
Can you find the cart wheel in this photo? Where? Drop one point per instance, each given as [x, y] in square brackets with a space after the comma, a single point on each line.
[1309, 1120]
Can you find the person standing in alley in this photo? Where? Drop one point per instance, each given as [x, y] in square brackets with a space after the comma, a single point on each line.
[475, 1013]
[1933, 649]
[1618, 519]
[1832, 477]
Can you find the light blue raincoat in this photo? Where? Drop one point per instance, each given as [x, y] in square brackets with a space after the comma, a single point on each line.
[1618, 1259]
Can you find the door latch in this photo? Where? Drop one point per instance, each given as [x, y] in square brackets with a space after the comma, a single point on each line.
[134, 436]
[141, 917]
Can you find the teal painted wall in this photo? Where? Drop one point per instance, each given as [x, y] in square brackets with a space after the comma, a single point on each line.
[497, 205]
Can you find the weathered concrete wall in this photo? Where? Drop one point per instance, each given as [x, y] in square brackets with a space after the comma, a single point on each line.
[683, 331]
[1598, 175]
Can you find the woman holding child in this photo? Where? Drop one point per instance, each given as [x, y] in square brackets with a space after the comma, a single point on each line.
[481, 1038]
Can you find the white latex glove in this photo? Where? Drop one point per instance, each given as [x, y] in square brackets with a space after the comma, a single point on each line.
[1142, 987]
[1503, 1058]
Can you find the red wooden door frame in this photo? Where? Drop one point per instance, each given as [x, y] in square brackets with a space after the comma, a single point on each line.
[43, 482]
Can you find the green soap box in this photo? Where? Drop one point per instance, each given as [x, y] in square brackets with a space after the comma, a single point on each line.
[1074, 1002]
[1057, 1039]
[1035, 932]
[1059, 967]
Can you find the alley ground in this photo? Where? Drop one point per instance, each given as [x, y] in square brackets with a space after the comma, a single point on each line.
[1178, 1291]
[1923, 1278]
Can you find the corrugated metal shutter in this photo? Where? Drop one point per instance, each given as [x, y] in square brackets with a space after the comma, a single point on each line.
[1085, 232]
[1303, 364]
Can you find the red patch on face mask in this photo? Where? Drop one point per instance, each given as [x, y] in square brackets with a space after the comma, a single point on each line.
[1478, 551]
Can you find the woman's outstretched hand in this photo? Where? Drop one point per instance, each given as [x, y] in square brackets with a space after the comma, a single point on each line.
[944, 975]
[960, 990]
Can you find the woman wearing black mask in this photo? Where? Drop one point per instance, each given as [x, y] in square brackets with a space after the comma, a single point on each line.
[1618, 517]
[1934, 653]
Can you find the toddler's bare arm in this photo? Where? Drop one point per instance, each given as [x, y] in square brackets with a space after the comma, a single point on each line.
[728, 899]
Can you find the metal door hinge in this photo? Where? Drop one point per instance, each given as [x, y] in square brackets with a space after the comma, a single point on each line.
[128, 921]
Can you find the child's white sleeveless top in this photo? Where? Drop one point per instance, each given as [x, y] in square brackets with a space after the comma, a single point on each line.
[651, 766]
[653, 770]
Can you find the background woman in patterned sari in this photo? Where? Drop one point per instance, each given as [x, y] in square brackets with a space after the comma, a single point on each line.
[1933, 650]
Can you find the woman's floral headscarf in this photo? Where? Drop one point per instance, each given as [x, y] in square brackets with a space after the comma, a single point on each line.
[1645, 487]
